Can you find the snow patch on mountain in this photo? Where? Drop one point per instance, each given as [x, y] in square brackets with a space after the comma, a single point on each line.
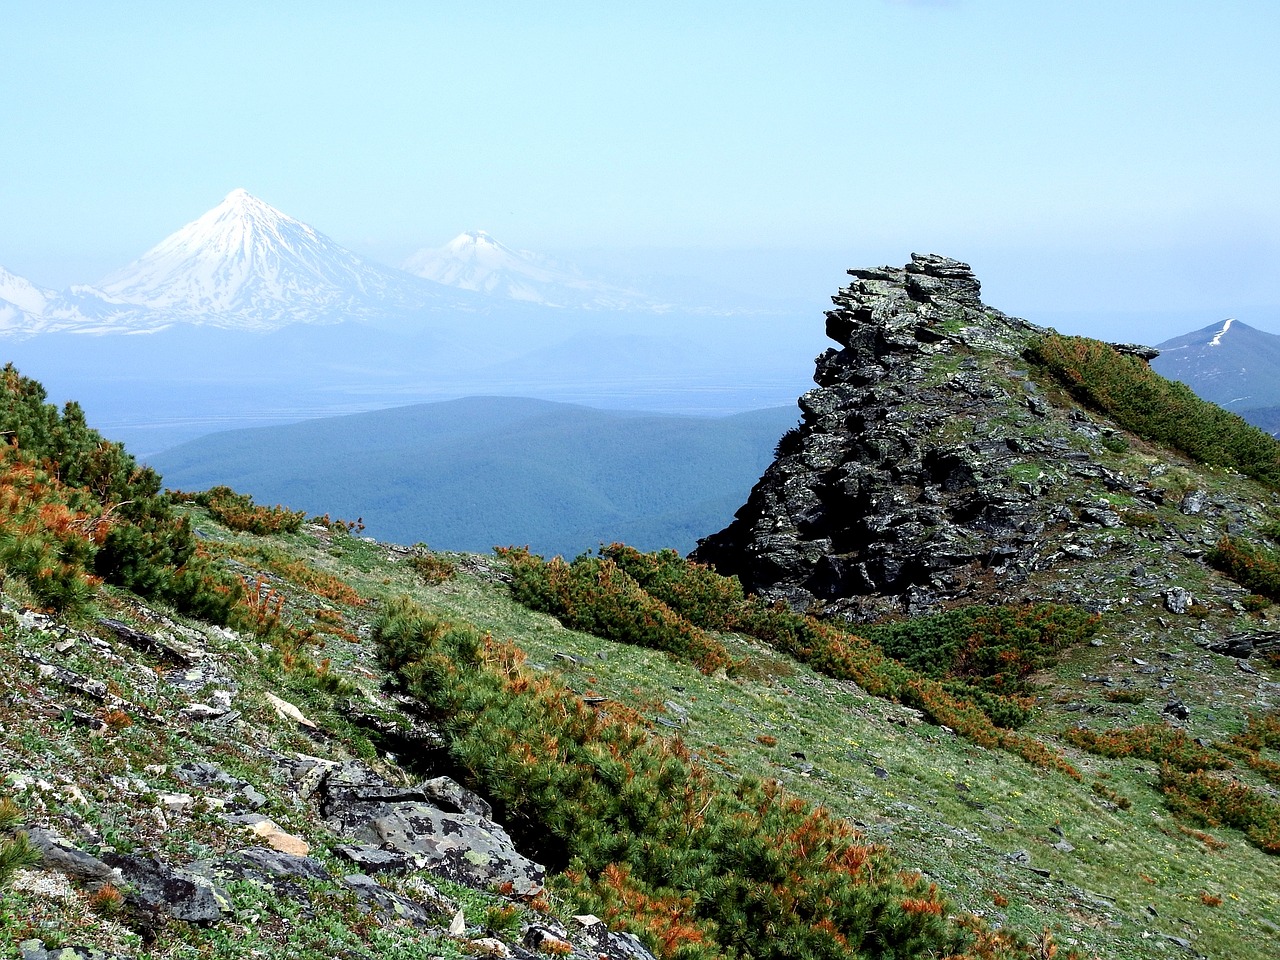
[476, 261]
[21, 304]
[1217, 337]
[22, 293]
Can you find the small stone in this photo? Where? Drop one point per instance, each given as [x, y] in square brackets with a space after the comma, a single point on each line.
[1178, 600]
[288, 711]
[277, 839]
[489, 947]
[458, 925]
[1192, 503]
[252, 797]
[200, 712]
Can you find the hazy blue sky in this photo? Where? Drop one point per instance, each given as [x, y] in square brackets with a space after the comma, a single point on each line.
[1087, 157]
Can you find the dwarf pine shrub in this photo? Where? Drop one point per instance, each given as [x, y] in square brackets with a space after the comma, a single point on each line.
[992, 648]
[1126, 389]
[697, 866]
[1212, 799]
[597, 596]
[684, 589]
[1254, 566]
[130, 535]
[239, 512]
[1151, 741]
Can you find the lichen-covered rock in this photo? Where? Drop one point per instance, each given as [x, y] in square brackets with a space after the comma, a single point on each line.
[36, 950]
[401, 829]
[389, 904]
[461, 847]
[170, 891]
[59, 854]
[935, 464]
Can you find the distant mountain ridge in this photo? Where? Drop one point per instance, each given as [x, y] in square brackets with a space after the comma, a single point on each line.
[245, 265]
[476, 261]
[242, 265]
[1231, 364]
[484, 471]
[247, 315]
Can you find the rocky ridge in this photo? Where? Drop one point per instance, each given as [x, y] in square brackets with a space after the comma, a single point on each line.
[936, 464]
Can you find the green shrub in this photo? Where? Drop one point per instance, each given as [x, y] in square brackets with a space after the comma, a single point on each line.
[1211, 799]
[1250, 565]
[1126, 389]
[137, 541]
[16, 852]
[432, 568]
[595, 595]
[697, 592]
[992, 648]
[239, 512]
[711, 602]
[696, 865]
[1262, 731]
[1152, 741]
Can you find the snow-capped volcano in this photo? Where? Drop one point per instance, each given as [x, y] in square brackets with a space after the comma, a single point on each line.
[476, 261]
[246, 265]
[21, 303]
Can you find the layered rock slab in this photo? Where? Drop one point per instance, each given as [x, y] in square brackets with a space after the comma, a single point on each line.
[897, 489]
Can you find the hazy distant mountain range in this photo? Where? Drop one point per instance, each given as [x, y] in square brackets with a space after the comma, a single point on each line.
[1230, 363]
[244, 265]
[247, 315]
[493, 471]
[476, 261]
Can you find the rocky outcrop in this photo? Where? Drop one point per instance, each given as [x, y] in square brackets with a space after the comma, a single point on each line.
[930, 464]
[437, 826]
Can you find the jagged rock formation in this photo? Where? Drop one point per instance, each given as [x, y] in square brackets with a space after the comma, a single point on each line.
[931, 464]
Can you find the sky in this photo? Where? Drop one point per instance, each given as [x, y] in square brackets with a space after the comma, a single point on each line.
[1107, 167]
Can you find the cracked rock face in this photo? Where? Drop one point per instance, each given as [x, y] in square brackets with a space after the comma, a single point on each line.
[398, 829]
[897, 490]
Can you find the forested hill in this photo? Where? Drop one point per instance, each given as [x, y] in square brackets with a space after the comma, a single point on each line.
[492, 471]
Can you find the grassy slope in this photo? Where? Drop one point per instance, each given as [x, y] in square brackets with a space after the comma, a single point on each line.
[946, 807]
[475, 473]
[1135, 878]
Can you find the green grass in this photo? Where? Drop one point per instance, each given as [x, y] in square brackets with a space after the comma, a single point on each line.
[943, 805]
[958, 836]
